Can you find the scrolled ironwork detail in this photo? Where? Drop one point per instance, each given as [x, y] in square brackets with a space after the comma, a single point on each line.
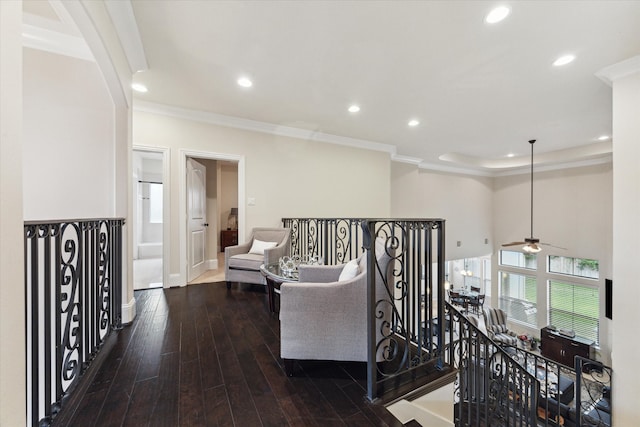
[73, 273]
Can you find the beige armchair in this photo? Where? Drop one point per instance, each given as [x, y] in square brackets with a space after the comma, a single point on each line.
[240, 265]
[322, 318]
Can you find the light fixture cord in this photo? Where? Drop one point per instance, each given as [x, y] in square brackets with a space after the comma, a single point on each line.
[532, 142]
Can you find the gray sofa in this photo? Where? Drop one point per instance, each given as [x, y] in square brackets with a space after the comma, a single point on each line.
[322, 318]
[242, 266]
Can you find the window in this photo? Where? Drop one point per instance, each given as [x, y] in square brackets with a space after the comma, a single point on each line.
[575, 307]
[470, 272]
[518, 259]
[579, 267]
[518, 297]
[486, 263]
[155, 203]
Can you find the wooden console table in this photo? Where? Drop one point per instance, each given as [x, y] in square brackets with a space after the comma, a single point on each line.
[564, 349]
[228, 238]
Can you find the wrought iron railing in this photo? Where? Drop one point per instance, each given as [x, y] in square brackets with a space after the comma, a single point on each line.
[492, 388]
[411, 340]
[593, 399]
[73, 277]
[336, 240]
[570, 396]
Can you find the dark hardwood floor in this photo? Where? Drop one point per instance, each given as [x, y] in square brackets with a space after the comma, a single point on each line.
[203, 355]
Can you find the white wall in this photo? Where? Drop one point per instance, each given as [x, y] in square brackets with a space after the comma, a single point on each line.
[13, 407]
[69, 163]
[287, 177]
[626, 235]
[465, 202]
[572, 209]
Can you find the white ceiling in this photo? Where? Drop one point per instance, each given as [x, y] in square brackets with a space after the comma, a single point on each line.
[480, 91]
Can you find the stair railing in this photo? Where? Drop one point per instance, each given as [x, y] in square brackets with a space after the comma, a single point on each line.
[492, 388]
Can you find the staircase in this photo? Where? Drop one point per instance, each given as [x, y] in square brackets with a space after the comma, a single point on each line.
[431, 410]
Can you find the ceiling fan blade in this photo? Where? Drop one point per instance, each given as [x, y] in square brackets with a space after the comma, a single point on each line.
[513, 243]
[554, 246]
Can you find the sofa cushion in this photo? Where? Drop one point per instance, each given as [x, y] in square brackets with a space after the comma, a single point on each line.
[597, 417]
[258, 246]
[566, 389]
[349, 271]
[380, 253]
[498, 329]
[604, 404]
[277, 235]
[246, 262]
[554, 407]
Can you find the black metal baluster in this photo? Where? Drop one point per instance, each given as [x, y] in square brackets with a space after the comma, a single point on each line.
[116, 286]
[46, 297]
[58, 307]
[441, 274]
[32, 313]
[85, 288]
[372, 384]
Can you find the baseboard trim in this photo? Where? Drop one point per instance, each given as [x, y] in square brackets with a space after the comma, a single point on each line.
[129, 311]
[212, 264]
[175, 280]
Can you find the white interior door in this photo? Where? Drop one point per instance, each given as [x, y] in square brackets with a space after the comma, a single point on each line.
[196, 218]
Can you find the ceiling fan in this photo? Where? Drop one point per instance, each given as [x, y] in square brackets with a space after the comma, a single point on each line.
[531, 244]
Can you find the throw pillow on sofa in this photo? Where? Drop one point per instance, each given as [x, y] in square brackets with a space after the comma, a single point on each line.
[258, 246]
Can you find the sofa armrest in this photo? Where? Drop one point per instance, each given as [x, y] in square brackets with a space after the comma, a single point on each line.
[243, 248]
[273, 255]
[230, 251]
[319, 273]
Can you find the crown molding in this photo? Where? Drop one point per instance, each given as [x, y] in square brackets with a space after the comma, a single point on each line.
[606, 158]
[257, 126]
[406, 159]
[455, 170]
[313, 135]
[617, 71]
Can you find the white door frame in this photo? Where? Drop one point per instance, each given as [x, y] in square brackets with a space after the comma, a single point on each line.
[182, 199]
[166, 206]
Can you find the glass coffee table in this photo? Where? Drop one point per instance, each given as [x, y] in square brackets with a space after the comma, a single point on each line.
[275, 277]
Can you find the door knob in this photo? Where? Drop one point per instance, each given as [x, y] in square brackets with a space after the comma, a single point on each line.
[205, 224]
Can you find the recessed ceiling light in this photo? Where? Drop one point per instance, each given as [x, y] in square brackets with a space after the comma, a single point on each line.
[139, 87]
[603, 137]
[511, 155]
[354, 109]
[245, 82]
[564, 60]
[413, 123]
[497, 15]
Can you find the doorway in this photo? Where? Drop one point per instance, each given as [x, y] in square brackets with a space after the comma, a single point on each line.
[202, 225]
[148, 214]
